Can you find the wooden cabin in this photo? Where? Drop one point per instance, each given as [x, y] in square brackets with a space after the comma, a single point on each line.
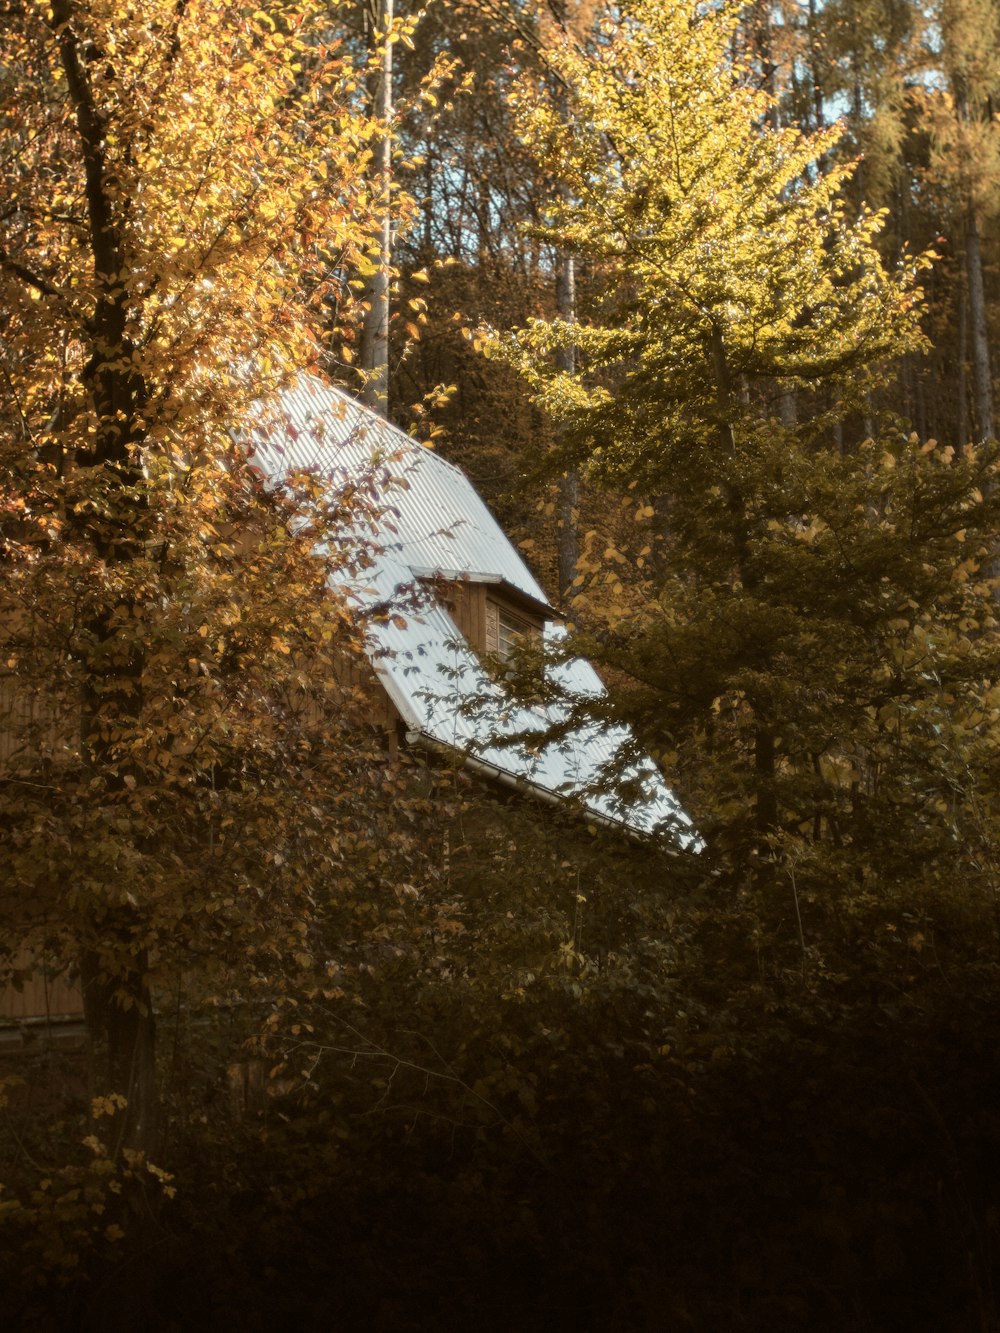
[437, 667]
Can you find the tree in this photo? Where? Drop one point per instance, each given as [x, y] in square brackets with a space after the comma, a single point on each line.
[737, 255]
[375, 332]
[176, 177]
[967, 153]
[734, 269]
[480, 194]
[915, 87]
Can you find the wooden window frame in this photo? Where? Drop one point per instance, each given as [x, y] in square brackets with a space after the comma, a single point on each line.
[506, 627]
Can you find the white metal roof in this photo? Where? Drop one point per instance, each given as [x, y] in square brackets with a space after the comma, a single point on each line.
[434, 523]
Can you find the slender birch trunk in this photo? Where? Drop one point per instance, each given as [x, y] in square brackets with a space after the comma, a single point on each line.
[375, 332]
[569, 486]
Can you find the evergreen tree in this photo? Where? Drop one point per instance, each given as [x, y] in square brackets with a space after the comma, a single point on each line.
[797, 622]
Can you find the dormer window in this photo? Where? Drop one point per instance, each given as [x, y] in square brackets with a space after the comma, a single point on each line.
[505, 630]
[493, 616]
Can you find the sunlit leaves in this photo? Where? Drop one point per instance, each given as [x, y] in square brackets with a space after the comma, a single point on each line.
[234, 159]
[703, 221]
[188, 775]
[808, 626]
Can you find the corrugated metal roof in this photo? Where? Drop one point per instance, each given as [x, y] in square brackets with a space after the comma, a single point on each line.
[442, 523]
[434, 523]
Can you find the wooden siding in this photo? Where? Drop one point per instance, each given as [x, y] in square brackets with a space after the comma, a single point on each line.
[33, 728]
[477, 609]
[40, 994]
[466, 604]
[37, 734]
[356, 675]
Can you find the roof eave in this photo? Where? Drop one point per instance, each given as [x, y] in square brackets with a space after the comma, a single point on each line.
[511, 591]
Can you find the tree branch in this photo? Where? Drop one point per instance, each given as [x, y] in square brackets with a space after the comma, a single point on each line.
[30, 279]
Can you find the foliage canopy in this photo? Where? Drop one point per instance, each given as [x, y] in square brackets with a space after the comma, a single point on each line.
[184, 185]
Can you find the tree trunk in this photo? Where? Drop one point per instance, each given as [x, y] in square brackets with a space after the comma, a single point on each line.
[569, 486]
[117, 1001]
[815, 45]
[374, 356]
[764, 776]
[961, 383]
[765, 797]
[982, 382]
[119, 1013]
